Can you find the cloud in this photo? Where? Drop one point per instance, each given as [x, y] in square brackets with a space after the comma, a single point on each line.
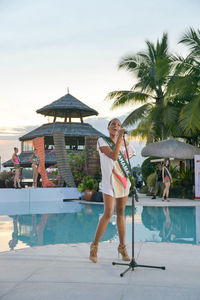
[13, 133]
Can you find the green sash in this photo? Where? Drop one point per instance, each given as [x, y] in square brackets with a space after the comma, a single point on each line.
[121, 159]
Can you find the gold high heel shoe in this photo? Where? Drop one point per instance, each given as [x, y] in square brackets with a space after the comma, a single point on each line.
[122, 250]
[93, 253]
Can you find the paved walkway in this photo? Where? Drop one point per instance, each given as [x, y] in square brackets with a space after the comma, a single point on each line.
[147, 201]
[63, 272]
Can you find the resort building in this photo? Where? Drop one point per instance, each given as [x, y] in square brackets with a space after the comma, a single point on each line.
[67, 115]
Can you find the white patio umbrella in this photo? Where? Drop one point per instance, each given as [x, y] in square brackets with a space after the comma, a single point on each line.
[170, 148]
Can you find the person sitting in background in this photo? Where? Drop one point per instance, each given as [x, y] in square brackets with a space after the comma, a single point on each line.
[159, 181]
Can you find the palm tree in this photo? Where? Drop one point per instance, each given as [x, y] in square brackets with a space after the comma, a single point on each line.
[153, 70]
[186, 84]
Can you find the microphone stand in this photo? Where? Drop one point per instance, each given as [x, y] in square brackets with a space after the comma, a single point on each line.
[132, 264]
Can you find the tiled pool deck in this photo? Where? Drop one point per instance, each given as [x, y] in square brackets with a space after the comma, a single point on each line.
[64, 271]
[147, 201]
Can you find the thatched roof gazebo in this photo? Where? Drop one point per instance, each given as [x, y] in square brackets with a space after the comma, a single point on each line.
[75, 131]
[170, 148]
[70, 130]
[67, 107]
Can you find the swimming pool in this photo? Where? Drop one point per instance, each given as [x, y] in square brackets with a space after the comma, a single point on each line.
[73, 222]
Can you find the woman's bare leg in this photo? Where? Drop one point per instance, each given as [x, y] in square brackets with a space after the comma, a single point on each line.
[164, 191]
[103, 222]
[167, 189]
[35, 175]
[16, 179]
[120, 208]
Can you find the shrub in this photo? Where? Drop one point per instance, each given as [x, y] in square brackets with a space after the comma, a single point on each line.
[184, 177]
[151, 180]
[6, 175]
[143, 189]
[178, 191]
[88, 183]
[147, 168]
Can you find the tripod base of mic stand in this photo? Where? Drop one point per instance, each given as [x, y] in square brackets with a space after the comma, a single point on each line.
[132, 265]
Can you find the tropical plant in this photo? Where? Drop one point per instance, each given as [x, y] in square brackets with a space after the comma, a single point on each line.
[78, 168]
[147, 168]
[77, 164]
[184, 177]
[151, 180]
[185, 86]
[88, 183]
[52, 172]
[7, 175]
[153, 70]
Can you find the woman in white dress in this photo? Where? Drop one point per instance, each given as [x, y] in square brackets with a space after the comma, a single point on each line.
[115, 184]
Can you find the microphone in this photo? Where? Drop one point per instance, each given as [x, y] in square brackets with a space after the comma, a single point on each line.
[126, 132]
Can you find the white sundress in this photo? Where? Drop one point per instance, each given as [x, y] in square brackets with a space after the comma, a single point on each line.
[111, 184]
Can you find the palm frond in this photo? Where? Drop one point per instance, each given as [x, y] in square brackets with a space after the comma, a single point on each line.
[182, 87]
[122, 98]
[184, 66]
[162, 47]
[144, 130]
[171, 115]
[129, 63]
[190, 116]
[192, 39]
[137, 114]
[151, 51]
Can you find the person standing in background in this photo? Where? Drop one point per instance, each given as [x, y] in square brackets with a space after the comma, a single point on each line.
[35, 164]
[16, 161]
[167, 179]
[140, 180]
[159, 181]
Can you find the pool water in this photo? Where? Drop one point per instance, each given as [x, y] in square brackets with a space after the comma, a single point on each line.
[77, 224]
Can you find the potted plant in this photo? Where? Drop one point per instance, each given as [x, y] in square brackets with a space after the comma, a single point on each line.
[88, 185]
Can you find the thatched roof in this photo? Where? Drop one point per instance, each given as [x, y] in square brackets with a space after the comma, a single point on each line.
[69, 129]
[170, 148]
[50, 159]
[67, 106]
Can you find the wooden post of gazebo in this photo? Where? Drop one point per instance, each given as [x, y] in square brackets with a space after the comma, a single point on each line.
[92, 156]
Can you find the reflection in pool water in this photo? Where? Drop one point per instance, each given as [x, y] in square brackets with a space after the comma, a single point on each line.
[160, 224]
[174, 224]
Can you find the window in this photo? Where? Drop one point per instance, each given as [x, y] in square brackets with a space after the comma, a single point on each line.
[74, 143]
[81, 147]
[27, 145]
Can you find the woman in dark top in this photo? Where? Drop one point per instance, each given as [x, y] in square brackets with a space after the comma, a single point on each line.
[159, 181]
[167, 179]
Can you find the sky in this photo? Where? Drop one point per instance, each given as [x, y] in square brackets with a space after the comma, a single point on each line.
[47, 46]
